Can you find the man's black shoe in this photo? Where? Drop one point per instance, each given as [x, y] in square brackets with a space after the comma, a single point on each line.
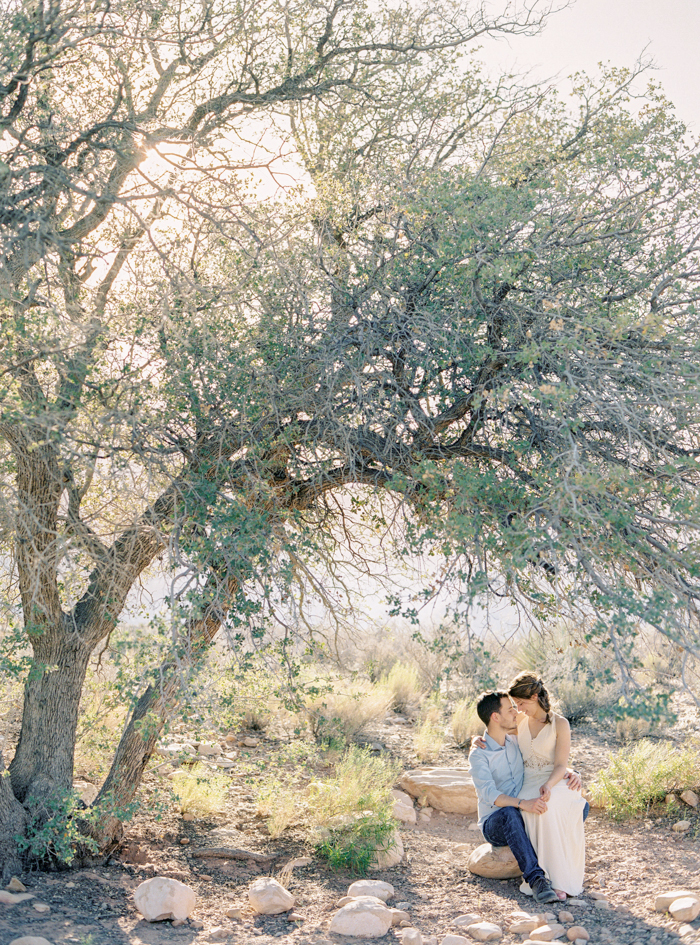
[542, 890]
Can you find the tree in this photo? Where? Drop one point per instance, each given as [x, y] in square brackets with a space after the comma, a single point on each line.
[472, 327]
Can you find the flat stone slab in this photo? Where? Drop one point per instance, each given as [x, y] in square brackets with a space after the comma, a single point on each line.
[447, 789]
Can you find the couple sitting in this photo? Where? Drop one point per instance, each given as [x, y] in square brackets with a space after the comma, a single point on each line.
[519, 772]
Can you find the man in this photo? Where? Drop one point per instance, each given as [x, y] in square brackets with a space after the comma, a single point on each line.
[498, 772]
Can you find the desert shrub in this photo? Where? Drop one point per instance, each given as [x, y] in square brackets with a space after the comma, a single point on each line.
[404, 683]
[278, 800]
[340, 715]
[199, 790]
[465, 723]
[352, 812]
[429, 733]
[246, 697]
[640, 775]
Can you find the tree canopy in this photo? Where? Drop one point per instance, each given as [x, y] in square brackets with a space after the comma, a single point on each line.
[468, 328]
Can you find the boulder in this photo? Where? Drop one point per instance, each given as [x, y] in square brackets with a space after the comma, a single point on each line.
[411, 937]
[685, 909]
[577, 933]
[268, 897]
[389, 855]
[364, 917]
[493, 862]
[30, 940]
[404, 811]
[664, 900]
[690, 798]
[371, 887]
[484, 932]
[160, 898]
[446, 789]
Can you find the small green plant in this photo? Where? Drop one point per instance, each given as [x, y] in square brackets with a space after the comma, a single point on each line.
[465, 723]
[643, 774]
[352, 811]
[404, 683]
[279, 802]
[199, 790]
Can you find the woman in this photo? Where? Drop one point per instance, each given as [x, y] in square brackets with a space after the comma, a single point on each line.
[545, 741]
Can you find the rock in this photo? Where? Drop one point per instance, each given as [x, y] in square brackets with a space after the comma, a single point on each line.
[690, 798]
[664, 900]
[297, 861]
[670, 799]
[184, 841]
[398, 916]
[546, 917]
[160, 898]
[547, 933]
[597, 895]
[296, 917]
[234, 913]
[484, 932]
[16, 886]
[411, 937]
[208, 750]
[493, 862]
[41, 906]
[565, 916]
[268, 897]
[371, 887]
[196, 923]
[462, 921]
[188, 816]
[685, 930]
[11, 899]
[681, 826]
[86, 791]
[445, 789]
[366, 917]
[176, 923]
[455, 940]
[521, 926]
[425, 816]
[30, 940]
[218, 934]
[463, 847]
[343, 901]
[578, 902]
[577, 933]
[403, 807]
[685, 909]
[389, 855]
[250, 742]
[601, 904]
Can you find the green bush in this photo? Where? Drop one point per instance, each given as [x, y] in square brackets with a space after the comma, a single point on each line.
[643, 774]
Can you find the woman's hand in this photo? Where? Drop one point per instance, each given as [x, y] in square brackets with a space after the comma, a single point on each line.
[478, 741]
[545, 792]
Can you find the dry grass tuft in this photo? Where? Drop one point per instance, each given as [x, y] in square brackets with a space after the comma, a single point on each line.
[199, 790]
[465, 722]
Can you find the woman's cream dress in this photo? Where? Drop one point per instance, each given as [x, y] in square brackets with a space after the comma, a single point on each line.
[557, 836]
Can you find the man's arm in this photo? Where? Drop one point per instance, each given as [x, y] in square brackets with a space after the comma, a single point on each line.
[488, 791]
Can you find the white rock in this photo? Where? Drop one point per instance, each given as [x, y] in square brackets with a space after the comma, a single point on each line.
[664, 900]
[209, 749]
[548, 933]
[445, 789]
[577, 933]
[389, 855]
[681, 826]
[493, 862]
[463, 847]
[371, 887]
[469, 918]
[520, 926]
[411, 937]
[250, 742]
[268, 897]
[580, 941]
[160, 898]
[685, 909]
[11, 899]
[41, 906]
[86, 790]
[366, 917]
[601, 904]
[218, 934]
[398, 916]
[484, 932]
[343, 901]
[690, 797]
[565, 916]
[455, 940]
[30, 940]
[598, 895]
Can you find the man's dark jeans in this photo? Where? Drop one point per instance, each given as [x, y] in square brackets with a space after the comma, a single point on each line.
[505, 828]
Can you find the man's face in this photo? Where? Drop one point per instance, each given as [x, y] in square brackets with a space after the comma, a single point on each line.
[508, 715]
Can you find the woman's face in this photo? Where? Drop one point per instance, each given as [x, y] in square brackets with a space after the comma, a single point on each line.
[528, 706]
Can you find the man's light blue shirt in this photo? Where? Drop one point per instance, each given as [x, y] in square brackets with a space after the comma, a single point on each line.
[496, 770]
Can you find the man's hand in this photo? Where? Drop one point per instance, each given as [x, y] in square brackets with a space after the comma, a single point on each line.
[478, 741]
[573, 780]
[534, 806]
[545, 793]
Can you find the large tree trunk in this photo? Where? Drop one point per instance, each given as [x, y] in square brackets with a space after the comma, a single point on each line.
[43, 761]
[13, 819]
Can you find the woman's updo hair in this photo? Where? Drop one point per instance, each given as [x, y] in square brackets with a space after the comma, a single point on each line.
[525, 685]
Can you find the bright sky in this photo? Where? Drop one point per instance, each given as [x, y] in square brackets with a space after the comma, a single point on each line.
[616, 31]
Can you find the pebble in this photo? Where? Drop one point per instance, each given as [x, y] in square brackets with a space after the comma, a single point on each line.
[578, 902]
[398, 916]
[602, 904]
[188, 815]
[371, 887]
[295, 917]
[41, 906]
[565, 916]
[411, 937]
[16, 885]
[690, 798]
[521, 926]
[485, 931]
[547, 933]
[681, 826]
[196, 923]
[577, 933]
[234, 913]
[598, 896]
[184, 841]
[469, 918]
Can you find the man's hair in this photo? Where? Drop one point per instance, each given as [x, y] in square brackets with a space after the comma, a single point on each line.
[488, 703]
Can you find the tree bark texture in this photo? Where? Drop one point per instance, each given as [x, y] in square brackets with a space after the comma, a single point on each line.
[13, 819]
